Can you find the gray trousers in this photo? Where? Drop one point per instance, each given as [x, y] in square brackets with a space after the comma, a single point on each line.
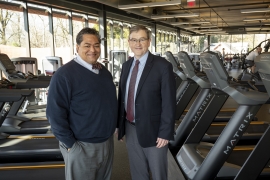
[143, 160]
[88, 161]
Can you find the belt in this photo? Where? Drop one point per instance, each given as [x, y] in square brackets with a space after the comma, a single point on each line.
[132, 123]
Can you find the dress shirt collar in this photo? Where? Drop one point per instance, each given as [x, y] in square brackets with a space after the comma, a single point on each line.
[83, 63]
[142, 59]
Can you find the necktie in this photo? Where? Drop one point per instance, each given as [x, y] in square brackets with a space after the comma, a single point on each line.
[97, 66]
[131, 89]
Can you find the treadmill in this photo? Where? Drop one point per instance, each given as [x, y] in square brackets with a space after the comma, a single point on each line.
[185, 91]
[33, 171]
[253, 133]
[25, 148]
[221, 160]
[14, 124]
[21, 125]
[261, 153]
[29, 66]
[189, 87]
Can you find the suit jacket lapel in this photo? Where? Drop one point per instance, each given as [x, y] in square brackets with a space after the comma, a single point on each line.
[126, 73]
[146, 70]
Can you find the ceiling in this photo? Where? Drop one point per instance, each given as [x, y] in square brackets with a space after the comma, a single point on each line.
[224, 14]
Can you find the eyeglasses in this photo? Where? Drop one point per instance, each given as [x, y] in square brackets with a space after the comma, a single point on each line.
[141, 40]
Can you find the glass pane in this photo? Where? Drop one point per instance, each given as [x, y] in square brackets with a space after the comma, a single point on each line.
[172, 43]
[12, 37]
[236, 44]
[158, 42]
[78, 24]
[93, 22]
[215, 44]
[200, 43]
[125, 39]
[162, 40]
[116, 37]
[247, 42]
[215, 39]
[109, 37]
[40, 37]
[196, 44]
[61, 35]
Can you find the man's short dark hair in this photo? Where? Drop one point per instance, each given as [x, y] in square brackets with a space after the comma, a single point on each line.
[87, 30]
[139, 27]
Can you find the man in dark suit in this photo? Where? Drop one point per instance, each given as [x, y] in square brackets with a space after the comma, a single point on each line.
[146, 108]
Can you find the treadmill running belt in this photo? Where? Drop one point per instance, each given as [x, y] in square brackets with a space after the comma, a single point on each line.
[28, 144]
[35, 124]
[27, 149]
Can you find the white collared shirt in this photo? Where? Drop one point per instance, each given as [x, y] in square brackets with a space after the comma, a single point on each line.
[85, 64]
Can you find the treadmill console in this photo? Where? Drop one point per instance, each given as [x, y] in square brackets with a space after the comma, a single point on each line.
[263, 65]
[186, 64]
[176, 66]
[6, 64]
[216, 73]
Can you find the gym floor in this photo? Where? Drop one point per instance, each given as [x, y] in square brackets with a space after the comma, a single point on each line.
[121, 169]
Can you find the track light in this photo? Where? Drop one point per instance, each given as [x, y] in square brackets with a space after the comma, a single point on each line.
[254, 19]
[181, 23]
[211, 30]
[194, 27]
[174, 16]
[152, 4]
[255, 10]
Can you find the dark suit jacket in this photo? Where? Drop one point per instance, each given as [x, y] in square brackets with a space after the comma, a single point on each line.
[155, 101]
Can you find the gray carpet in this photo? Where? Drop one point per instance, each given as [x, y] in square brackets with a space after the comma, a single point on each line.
[121, 169]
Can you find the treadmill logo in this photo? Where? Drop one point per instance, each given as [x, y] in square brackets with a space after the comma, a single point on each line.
[206, 65]
[236, 136]
[182, 65]
[180, 97]
[202, 108]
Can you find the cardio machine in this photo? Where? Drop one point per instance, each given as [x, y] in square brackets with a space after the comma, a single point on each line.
[199, 106]
[196, 159]
[13, 123]
[25, 148]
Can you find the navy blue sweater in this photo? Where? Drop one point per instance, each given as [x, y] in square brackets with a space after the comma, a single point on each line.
[81, 105]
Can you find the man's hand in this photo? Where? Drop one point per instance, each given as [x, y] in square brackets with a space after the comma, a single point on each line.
[161, 142]
[116, 134]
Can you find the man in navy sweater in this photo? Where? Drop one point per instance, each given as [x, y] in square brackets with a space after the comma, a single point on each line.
[82, 111]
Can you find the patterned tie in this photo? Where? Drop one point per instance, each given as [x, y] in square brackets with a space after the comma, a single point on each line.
[131, 89]
[97, 65]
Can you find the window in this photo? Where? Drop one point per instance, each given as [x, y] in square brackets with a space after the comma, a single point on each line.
[40, 37]
[12, 36]
[78, 24]
[62, 36]
[236, 44]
